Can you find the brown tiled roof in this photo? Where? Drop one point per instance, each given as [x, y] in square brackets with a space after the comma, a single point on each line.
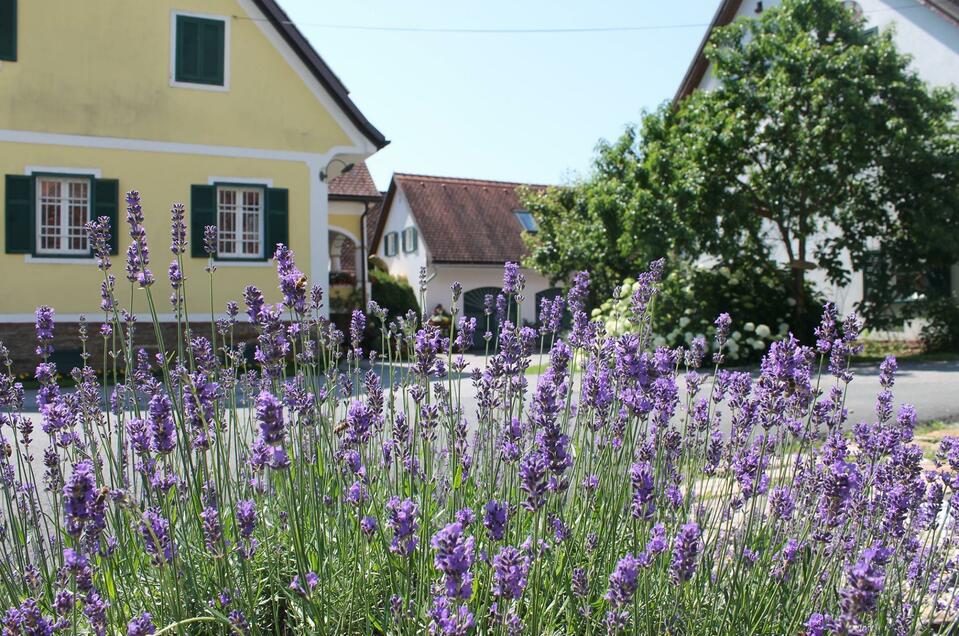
[462, 220]
[355, 184]
[373, 221]
[948, 9]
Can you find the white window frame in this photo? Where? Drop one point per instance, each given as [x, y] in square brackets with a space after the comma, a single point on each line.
[238, 191]
[64, 181]
[395, 243]
[409, 235]
[226, 52]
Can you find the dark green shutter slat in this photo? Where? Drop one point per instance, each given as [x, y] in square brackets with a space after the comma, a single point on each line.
[213, 42]
[202, 213]
[200, 50]
[277, 222]
[106, 202]
[18, 214]
[8, 30]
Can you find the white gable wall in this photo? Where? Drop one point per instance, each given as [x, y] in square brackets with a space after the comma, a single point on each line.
[933, 43]
[398, 218]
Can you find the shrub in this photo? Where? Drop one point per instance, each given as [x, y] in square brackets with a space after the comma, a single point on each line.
[393, 293]
[941, 329]
[306, 499]
[692, 296]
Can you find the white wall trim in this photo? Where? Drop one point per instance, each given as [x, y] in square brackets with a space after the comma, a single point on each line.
[59, 260]
[240, 181]
[149, 145]
[319, 231]
[226, 20]
[97, 317]
[92, 172]
[244, 263]
[363, 145]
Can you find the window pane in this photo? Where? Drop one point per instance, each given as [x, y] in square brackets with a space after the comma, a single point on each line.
[63, 209]
[226, 223]
[239, 220]
[78, 216]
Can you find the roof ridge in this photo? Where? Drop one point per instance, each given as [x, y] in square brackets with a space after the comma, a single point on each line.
[436, 178]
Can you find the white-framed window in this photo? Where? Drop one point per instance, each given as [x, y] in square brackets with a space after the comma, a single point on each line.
[63, 209]
[239, 222]
[391, 244]
[200, 51]
[410, 240]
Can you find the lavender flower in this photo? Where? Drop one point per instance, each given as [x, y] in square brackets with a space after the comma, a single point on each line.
[454, 558]
[155, 530]
[44, 329]
[81, 505]
[686, 548]
[177, 230]
[532, 474]
[210, 240]
[623, 581]
[142, 625]
[495, 515]
[402, 519]
[644, 503]
[510, 567]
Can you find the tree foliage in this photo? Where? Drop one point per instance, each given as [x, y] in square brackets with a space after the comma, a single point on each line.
[819, 147]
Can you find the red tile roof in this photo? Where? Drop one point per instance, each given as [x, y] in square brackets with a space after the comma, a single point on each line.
[355, 184]
[462, 220]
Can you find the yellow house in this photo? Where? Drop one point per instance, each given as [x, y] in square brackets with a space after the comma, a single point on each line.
[220, 104]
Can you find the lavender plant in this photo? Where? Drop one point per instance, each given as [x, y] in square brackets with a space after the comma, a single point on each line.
[333, 490]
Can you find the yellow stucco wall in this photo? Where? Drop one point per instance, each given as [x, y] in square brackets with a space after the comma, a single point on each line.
[103, 68]
[161, 178]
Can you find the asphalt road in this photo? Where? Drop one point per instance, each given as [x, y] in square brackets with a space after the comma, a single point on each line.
[931, 387]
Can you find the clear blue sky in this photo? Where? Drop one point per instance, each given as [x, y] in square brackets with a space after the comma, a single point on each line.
[514, 106]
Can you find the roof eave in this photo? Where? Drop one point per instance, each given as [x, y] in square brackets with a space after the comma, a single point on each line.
[697, 68]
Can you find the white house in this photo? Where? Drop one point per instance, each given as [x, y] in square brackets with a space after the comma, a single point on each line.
[460, 230]
[927, 30]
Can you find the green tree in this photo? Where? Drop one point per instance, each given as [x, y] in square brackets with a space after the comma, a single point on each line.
[612, 223]
[819, 146]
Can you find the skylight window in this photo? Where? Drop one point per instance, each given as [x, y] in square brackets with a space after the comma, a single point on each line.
[527, 220]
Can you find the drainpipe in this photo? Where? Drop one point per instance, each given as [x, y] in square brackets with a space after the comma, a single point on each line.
[364, 255]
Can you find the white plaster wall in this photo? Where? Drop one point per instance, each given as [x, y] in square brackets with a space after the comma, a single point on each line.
[933, 43]
[399, 218]
[920, 31]
[474, 276]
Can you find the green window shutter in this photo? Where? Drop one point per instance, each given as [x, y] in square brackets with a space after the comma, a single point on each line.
[200, 50]
[8, 30]
[106, 202]
[18, 214]
[277, 221]
[202, 213]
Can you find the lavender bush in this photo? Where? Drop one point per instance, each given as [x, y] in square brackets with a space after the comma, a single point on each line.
[626, 491]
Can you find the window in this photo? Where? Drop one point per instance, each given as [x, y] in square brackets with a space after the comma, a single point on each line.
[527, 221]
[8, 30]
[200, 50]
[63, 209]
[410, 240]
[239, 222]
[390, 244]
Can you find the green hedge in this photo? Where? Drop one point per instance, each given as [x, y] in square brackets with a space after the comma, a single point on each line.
[393, 294]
